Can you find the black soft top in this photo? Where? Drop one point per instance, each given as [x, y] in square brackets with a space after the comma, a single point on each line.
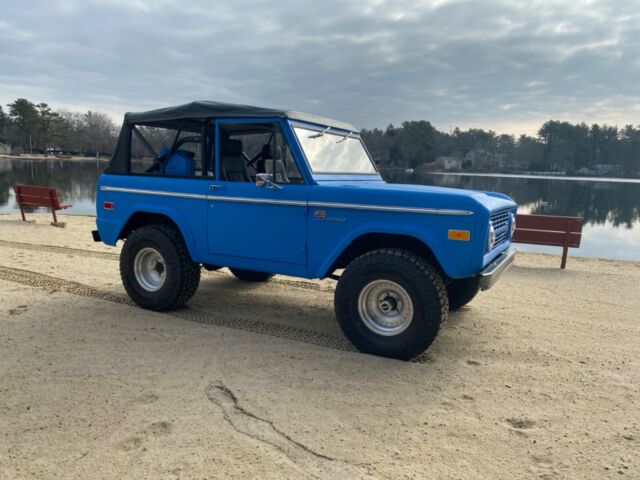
[190, 116]
[193, 117]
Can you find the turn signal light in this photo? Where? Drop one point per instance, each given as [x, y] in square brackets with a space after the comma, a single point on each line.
[463, 235]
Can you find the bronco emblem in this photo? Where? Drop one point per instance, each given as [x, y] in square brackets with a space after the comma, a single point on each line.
[320, 214]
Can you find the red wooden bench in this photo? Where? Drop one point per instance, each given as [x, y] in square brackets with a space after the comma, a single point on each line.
[550, 230]
[35, 196]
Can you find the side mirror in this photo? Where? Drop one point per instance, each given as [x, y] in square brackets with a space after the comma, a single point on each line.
[265, 180]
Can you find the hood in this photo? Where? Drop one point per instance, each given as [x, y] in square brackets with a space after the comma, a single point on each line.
[396, 194]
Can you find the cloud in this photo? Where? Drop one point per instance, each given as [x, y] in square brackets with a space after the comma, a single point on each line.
[497, 64]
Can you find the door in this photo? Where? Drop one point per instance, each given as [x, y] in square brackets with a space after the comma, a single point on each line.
[266, 224]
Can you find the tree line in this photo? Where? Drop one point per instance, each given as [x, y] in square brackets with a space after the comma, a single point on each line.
[559, 146]
[35, 128]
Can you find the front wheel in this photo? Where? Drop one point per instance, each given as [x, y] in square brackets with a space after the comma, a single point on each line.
[156, 269]
[391, 303]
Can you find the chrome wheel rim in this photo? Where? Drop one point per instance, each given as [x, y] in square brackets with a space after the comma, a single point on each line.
[385, 307]
[149, 269]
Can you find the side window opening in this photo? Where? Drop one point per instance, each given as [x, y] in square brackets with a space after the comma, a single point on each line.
[165, 151]
[247, 149]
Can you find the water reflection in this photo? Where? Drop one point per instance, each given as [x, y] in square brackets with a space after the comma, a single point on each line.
[76, 181]
[597, 202]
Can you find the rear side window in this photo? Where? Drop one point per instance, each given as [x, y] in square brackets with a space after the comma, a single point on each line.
[165, 151]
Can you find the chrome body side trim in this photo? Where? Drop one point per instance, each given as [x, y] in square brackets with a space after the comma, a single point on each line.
[296, 203]
[293, 203]
[386, 208]
[153, 192]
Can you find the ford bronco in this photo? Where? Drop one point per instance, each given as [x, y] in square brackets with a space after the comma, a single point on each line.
[263, 192]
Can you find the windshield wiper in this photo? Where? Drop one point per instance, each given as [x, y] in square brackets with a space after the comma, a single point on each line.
[348, 135]
[319, 134]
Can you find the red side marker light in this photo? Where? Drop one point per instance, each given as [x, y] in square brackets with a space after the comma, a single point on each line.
[108, 205]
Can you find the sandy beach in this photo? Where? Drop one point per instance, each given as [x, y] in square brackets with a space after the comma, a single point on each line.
[537, 378]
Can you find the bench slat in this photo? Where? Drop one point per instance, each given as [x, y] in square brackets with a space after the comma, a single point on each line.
[34, 190]
[555, 239]
[32, 200]
[549, 222]
[45, 204]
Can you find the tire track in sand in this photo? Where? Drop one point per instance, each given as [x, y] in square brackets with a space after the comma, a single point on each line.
[114, 256]
[58, 249]
[238, 322]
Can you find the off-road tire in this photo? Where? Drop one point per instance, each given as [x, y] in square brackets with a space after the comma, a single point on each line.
[419, 279]
[250, 275]
[462, 291]
[182, 274]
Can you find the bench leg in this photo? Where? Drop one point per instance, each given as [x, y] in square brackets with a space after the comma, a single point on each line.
[565, 250]
[22, 213]
[55, 222]
[565, 246]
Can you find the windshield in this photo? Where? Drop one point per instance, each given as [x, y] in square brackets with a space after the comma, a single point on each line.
[331, 153]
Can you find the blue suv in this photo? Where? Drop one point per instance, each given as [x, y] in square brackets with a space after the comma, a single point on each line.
[264, 191]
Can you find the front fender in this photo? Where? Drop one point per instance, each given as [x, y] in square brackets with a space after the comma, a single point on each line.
[454, 257]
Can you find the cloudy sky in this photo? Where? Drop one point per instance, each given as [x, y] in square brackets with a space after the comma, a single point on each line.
[505, 65]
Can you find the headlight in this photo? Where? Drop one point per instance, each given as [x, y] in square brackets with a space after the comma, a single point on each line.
[513, 224]
[492, 238]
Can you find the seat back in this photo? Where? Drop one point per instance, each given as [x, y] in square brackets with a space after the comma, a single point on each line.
[233, 165]
[181, 163]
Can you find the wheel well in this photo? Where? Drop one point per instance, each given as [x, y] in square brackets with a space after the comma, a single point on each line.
[374, 241]
[140, 219]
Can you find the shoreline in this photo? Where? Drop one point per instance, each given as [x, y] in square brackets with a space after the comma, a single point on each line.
[533, 176]
[382, 170]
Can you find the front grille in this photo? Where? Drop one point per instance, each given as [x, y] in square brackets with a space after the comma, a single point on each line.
[500, 222]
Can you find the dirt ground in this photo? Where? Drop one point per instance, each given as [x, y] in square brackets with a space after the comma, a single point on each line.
[536, 378]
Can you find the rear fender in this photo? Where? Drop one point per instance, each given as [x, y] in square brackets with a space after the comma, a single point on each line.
[112, 230]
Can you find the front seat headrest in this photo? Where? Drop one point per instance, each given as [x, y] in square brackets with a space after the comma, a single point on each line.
[266, 151]
[232, 148]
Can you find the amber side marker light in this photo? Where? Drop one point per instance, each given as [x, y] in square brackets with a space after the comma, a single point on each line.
[463, 235]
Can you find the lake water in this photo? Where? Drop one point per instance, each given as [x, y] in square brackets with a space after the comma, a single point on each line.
[610, 208]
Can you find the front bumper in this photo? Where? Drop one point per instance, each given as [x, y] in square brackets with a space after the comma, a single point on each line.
[492, 272]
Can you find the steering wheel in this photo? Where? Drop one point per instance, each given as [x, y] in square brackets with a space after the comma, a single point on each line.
[263, 154]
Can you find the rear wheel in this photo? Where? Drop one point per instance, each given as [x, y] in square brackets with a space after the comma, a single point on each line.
[392, 303]
[156, 269]
[250, 275]
[461, 291]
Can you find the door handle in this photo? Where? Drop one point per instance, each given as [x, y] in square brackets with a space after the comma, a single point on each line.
[216, 187]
